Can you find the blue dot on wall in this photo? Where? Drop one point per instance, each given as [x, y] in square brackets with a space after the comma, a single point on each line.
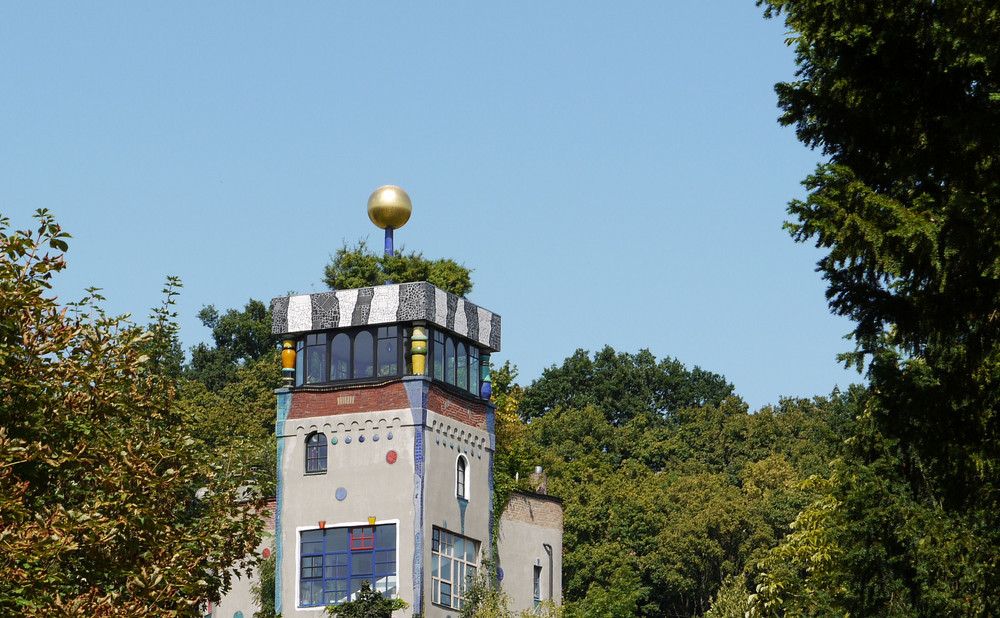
[361, 438]
[347, 440]
[333, 440]
[238, 615]
[341, 493]
[375, 437]
[439, 439]
[389, 437]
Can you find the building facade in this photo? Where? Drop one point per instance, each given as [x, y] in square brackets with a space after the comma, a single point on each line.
[385, 437]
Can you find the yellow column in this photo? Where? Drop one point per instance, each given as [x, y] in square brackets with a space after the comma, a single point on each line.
[418, 347]
[288, 361]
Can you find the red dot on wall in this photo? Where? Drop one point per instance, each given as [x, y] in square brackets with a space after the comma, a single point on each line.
[391, 457]
[267, 553]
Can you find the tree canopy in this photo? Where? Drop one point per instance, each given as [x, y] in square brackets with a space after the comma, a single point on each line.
[239, 337]
[108, 507]
[670, 486]
[903, 96]
[359, 267]
[623, 385]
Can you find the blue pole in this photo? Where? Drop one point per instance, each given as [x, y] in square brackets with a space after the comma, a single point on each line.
[388, 242]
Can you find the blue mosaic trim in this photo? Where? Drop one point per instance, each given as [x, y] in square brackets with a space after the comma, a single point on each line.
[284, 405]
[386, 304]
[416, 394]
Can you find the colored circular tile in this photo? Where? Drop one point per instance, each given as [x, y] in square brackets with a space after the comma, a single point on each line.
[375, 437]
[347, 440]
[341, 493]
[361, 438]
[389, 436]
[333, 440]
[439, 439]
[499, 574]
[480, 454]
[267, 553]
[391, 457]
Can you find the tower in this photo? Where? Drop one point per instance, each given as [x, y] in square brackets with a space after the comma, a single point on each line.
[385, 441]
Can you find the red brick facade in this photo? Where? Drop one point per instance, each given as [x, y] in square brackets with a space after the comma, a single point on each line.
[306, 404]
[389, 396]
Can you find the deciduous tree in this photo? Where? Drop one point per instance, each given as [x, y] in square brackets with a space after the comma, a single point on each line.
[107, 506]
[360, 267]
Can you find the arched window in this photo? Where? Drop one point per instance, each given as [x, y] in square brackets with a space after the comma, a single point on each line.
[316, 453]
[364, 355]
[462, 477]
[340, 357]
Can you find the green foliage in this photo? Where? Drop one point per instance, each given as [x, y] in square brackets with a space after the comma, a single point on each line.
[240, 337]
[98, 476]
[901, 96]
[360, 267]
[514, 457]
[661, 507]
[367, 604]
[227, 395]
[263, 590]
[485, 598]
[731, 600]
[622, 386]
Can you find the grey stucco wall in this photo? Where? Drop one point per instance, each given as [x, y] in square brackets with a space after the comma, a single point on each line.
[372, 487]
[527, 525]
[392, 493]
[446, 440]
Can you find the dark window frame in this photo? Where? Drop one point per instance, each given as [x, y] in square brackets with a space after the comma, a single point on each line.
[449, 589]
[462, 477]
[316, 453]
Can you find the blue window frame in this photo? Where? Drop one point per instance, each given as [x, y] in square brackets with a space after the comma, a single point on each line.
[336, 561]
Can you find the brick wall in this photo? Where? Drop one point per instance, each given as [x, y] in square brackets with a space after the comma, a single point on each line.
[456, 407]
[544, 511]
[306, 404]
[391, 396]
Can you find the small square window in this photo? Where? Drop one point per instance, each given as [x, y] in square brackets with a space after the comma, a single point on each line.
[362, 538]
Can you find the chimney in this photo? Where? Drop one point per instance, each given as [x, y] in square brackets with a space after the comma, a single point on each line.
[539, 481]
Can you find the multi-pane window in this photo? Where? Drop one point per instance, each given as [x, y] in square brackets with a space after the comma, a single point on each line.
[316, 452]
[380, 352]
[357, 354]
[454, 361]
[335, 562]
[315, 358]
[388, 351]
[453, 567]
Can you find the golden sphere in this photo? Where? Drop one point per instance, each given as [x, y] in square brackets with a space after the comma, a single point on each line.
[389, 206]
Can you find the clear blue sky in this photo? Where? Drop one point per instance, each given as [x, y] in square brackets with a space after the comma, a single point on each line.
[613, 172]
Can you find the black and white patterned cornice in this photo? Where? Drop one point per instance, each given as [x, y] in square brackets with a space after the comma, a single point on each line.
[386, 304]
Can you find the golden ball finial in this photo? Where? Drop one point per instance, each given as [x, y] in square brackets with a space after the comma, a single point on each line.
[389, 207]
